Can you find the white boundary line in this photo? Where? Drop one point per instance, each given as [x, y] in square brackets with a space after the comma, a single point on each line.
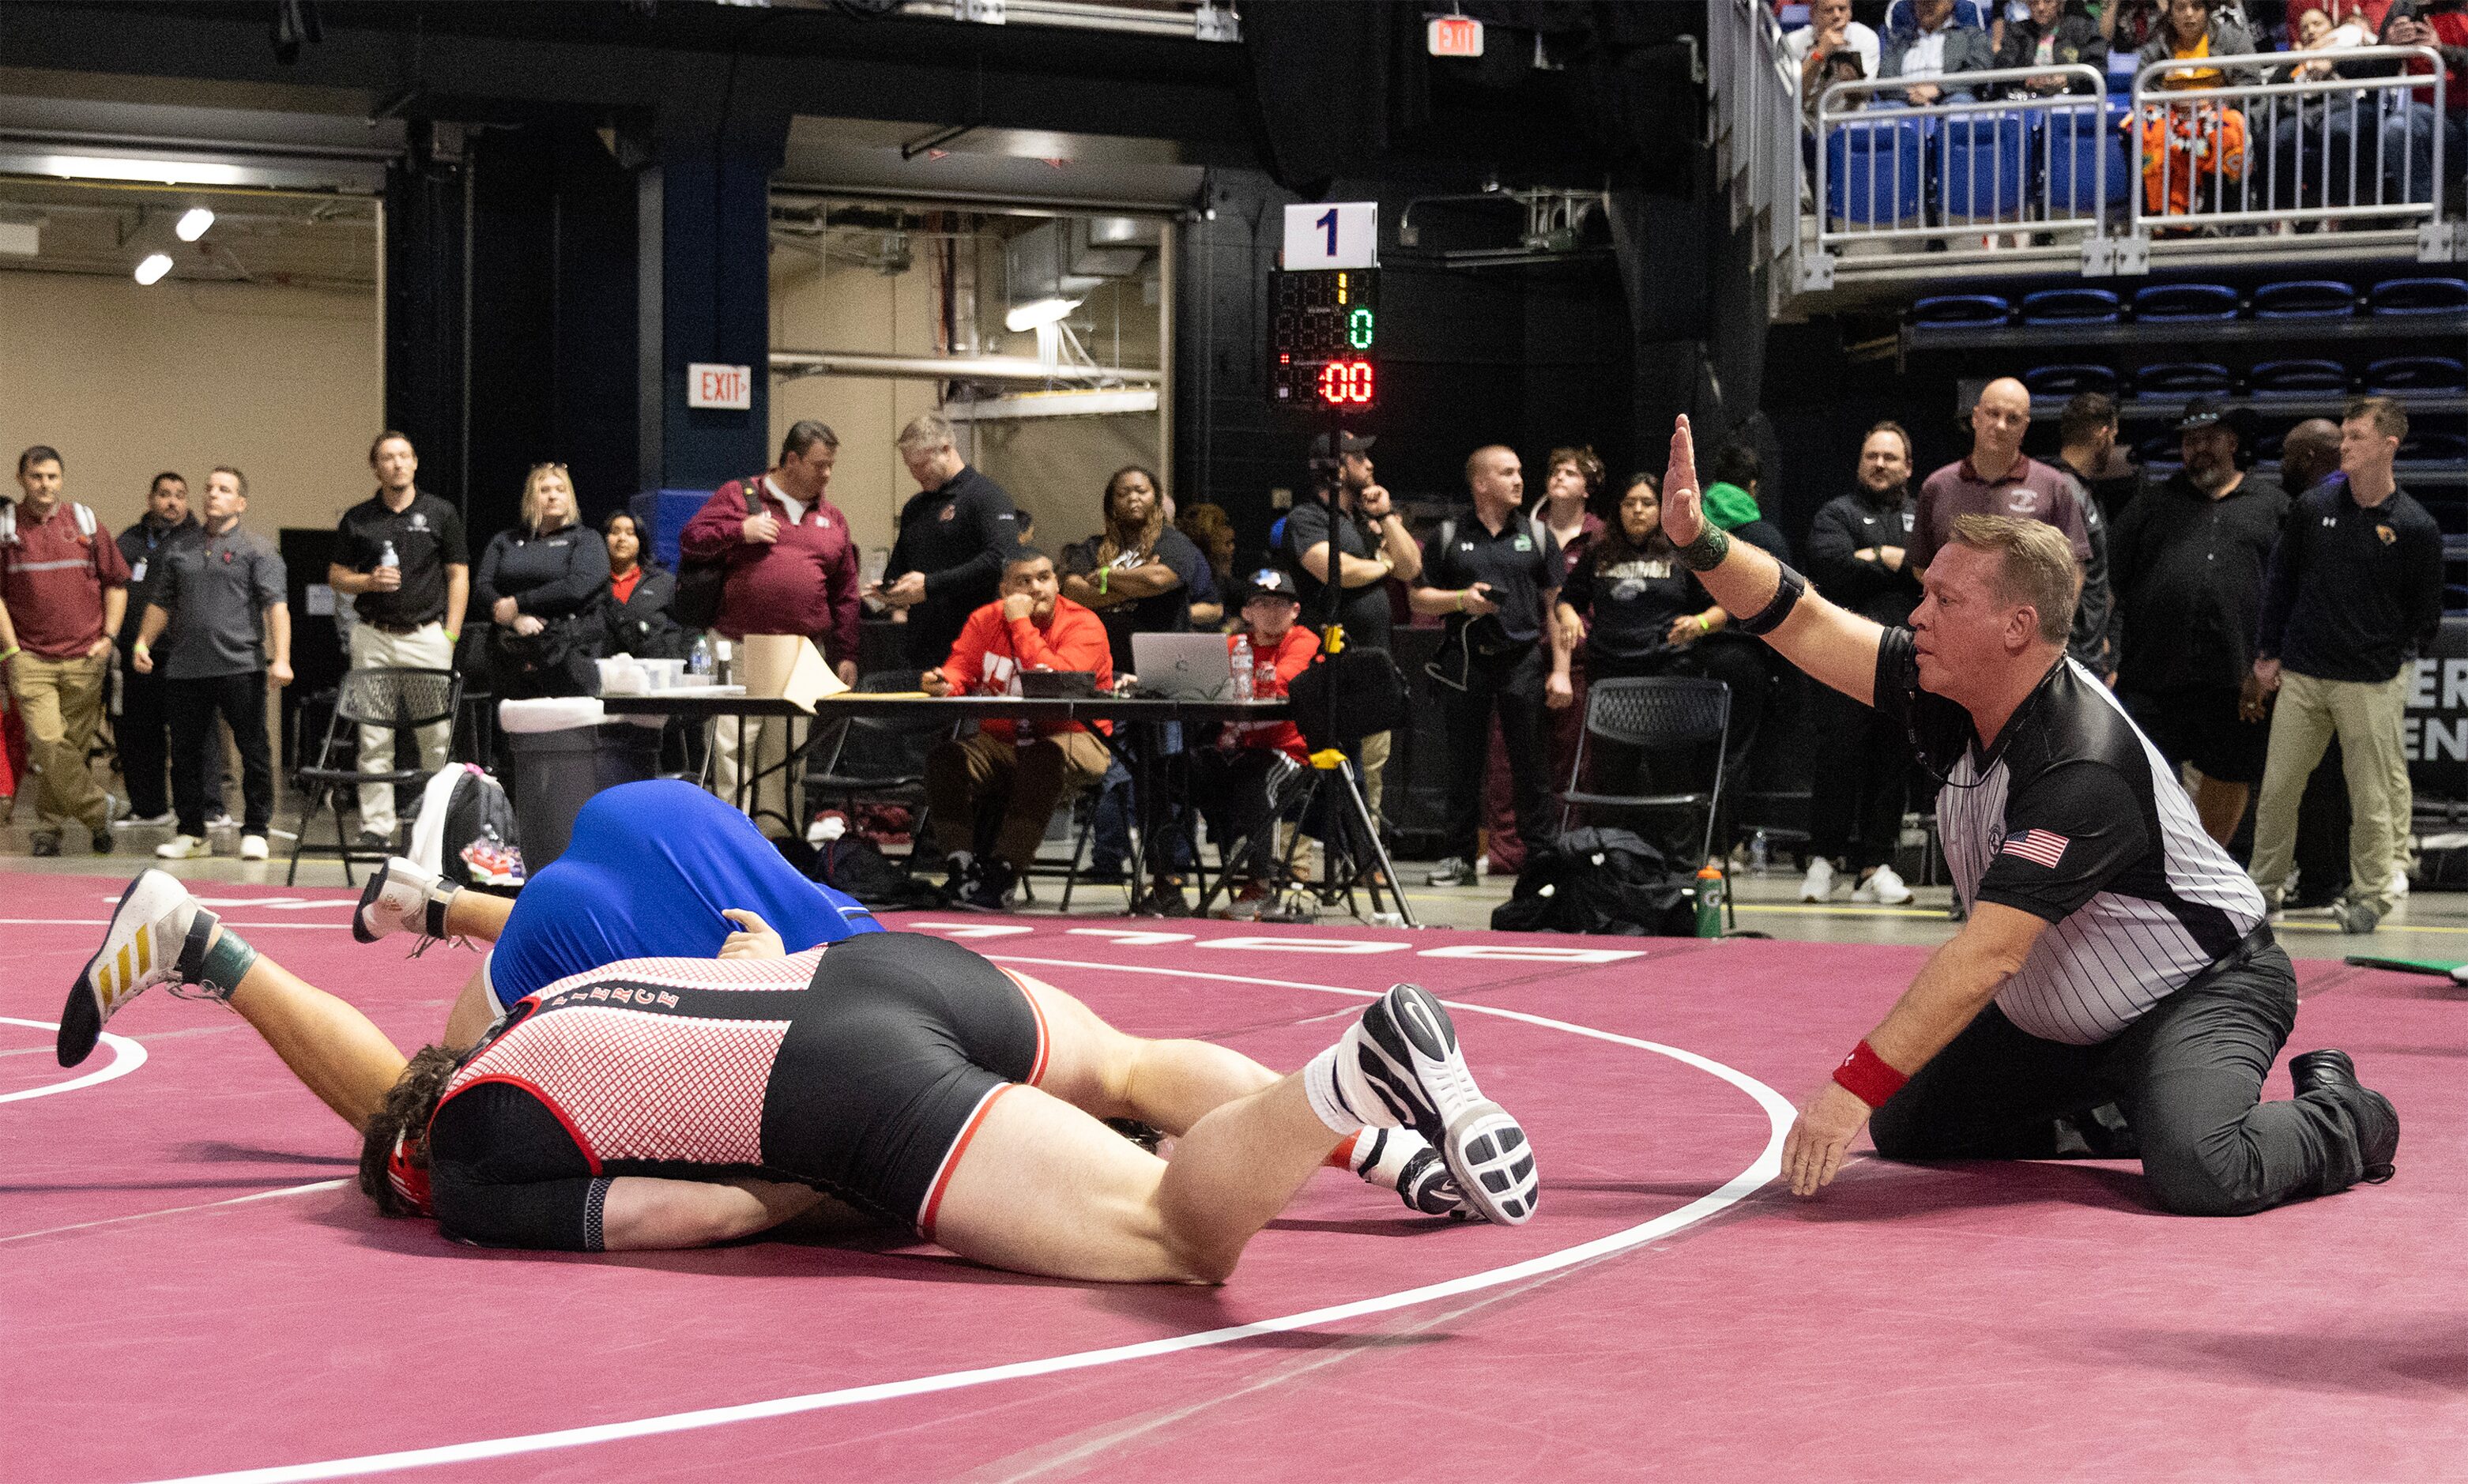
[1779, 1112]
[126, 1057]
[203, 1205]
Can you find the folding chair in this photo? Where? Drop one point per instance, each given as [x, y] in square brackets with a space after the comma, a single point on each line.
[396, 697]
[1655, 715]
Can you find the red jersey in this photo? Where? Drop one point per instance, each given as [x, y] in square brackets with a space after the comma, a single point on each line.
[53, 578]
[1272, 670]
[991, 650]
[806, 582]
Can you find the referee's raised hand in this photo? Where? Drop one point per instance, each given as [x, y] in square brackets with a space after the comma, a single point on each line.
[1682, 520]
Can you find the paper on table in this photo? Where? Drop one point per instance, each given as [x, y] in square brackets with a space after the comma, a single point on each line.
[785, 666]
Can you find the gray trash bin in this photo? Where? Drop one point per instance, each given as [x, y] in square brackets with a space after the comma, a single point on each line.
[556, 773]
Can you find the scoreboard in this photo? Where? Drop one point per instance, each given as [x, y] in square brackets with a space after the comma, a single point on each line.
[1323, 336]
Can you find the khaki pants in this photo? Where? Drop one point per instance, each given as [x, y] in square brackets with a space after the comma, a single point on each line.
[61, 701]
[1374, 767]
[425, 647]
[767, 739]
[2366, 716]
[1022, 784]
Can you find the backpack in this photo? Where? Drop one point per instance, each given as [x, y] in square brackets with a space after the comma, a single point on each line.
[1599, 881]
[853, 865]
[465, 832]
[86, 524]
[699, 583]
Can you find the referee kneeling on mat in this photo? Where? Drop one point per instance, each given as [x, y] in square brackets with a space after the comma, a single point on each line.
[2113, 952]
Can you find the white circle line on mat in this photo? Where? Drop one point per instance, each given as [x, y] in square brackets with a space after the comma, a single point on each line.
[126, 1057]
[1779, 1112]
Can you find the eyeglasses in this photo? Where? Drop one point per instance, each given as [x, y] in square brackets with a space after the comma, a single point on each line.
[536, 468]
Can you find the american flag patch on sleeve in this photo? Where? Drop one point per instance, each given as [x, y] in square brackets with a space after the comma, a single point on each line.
[2039, 847]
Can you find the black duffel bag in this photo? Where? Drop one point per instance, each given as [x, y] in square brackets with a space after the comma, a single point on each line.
[1370, 695]
[1600, 881]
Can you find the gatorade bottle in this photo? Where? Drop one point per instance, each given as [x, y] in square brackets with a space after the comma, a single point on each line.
[1710, 900]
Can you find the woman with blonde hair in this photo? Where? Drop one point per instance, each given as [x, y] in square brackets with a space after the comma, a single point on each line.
[538, 582]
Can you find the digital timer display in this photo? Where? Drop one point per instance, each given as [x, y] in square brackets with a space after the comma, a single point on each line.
[1323, 334]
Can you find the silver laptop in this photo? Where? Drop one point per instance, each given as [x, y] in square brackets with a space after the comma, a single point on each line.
[1185, 667]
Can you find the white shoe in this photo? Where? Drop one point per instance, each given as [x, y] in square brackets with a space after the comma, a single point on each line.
[158, 935]
[402, 898]
[2398, 882]
[1881, 886]
[1399, 1066]
[181, 847]
[146, 821]
[1819, 883]
[251, 847]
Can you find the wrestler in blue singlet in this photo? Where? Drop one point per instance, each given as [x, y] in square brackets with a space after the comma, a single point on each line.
[645, 874]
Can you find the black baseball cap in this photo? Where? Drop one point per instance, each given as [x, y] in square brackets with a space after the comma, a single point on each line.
[1347, 443]
[1269, 583]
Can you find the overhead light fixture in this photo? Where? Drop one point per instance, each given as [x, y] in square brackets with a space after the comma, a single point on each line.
[193, 223]
[152, 269]
[1039, 314]
[167, 171]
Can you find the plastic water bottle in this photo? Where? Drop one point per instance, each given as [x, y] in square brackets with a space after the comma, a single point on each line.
[1243, 676]
[698, 658]
[387, 557]
[1710, 900]
[1760, 854]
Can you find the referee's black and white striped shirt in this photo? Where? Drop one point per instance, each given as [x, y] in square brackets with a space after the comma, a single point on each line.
[2072, 816]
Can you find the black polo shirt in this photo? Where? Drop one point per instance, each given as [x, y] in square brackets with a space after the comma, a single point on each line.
[427, 537]
[957, 537]
[2352, 591]
[139, 546]
[1168, 612]
[1520, 561]
[1363, 610]
[2188, 572]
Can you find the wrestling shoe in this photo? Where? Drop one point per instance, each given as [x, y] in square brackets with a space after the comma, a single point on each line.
[157, 936]
[402, 898]
[1398, 1159]
[1400, 1061]
[2376, 1120]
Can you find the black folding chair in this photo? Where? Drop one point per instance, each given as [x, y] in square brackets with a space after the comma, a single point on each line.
[1661, 716]
[388, 695]
[881, 759]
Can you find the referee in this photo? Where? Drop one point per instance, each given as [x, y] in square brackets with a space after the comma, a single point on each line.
[2113, 952]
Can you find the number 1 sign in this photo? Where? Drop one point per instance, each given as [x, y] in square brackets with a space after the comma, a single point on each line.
[1332, 235]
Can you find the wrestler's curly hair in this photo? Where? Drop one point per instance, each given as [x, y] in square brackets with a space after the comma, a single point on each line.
[409, 1106]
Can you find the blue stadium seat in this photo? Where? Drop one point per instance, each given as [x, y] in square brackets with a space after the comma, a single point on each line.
[2417, 373]
[2306, 298]
[2434, 448]
[2182, 378]
[2298, 378]
[1962, 309]
[1872, 173]
[2161, 453]
[2121, 65]
[2418, 296]
[2179, 302]
[2066, 147]
[2070, 378]
[1792, 16]
[2069, 306]
[1980, 173]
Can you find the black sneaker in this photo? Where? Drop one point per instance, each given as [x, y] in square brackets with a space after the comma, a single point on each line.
[1406, 1053]
[1455, 870]
[989, 886]
[44, 843]
[103, 841]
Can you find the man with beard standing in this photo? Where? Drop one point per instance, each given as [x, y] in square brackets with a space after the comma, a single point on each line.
[2189, 557]
[140, 734]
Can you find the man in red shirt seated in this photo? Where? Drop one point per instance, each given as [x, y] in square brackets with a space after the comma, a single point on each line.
[1237, 781]
[1004, 780]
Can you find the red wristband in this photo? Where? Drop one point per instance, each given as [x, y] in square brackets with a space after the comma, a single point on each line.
[1865, 1076]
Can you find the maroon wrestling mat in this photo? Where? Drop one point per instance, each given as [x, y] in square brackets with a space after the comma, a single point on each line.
[191, 1287]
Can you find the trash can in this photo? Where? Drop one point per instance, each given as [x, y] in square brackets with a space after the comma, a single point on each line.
[557, 770]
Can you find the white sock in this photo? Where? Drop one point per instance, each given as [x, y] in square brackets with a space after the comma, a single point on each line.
[1338, 1093]
[1379, 1155]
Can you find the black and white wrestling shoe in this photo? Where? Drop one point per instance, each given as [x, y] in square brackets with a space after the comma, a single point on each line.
[1402, 1053]
[1398, 1159]
[402, 898]
[157, 936]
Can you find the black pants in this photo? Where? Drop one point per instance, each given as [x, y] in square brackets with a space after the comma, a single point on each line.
[1231, 787]
[239, 700]
[1862, 781]
[1510, 683]
[140, 735]
[2188, 1075]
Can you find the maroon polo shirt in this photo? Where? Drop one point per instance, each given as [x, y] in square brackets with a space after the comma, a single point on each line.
[53, 578]
[806, 582]
[2029, 491]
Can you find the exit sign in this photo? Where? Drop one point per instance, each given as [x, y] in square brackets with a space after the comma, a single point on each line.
[723, 388]
[1455, 35]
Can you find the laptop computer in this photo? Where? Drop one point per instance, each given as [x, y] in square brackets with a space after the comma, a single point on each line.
[1183, 667]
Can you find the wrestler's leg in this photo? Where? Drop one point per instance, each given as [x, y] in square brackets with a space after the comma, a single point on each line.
[332, 1048]
[478, 914]
[1171, 1084]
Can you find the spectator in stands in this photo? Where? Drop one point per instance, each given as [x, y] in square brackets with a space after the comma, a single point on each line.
[63, 593]
[541, 583]
[2410, 123]
[1235, 781]
[1213, 532]
[634, 614]
[2087, 449]
[2355, 589]
[1372, 551]
[1494, 575]
[2127, 24]
[1001, 784]
[222, 616]
[140, 734]
[2308, 455]
[403, 560]
[1933, 43]
[956, 533]
[1830, 30]
[2191, 30]
[792, 568]
[2051, 35]
[1858, 552]
[2189, 555]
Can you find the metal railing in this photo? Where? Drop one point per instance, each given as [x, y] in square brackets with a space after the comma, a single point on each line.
[1755, 131]
[2253, 154]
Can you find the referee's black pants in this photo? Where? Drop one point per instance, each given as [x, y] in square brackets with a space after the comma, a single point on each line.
[2188, 1075]
[1510, 682]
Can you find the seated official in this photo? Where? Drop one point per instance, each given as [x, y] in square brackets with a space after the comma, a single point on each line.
[1003, 782]
[1234, 780]
[540, 585]
[2113, 952]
